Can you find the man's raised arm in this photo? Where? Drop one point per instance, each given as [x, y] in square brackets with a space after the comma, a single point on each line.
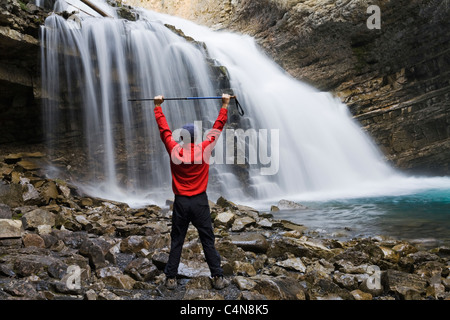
[164, 129]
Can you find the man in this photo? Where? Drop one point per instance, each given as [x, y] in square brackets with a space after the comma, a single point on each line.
[189, 164]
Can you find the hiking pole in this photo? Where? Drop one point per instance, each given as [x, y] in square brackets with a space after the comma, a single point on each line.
[238, 105]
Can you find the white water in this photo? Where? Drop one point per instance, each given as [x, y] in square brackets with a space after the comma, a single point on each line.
[323, 153]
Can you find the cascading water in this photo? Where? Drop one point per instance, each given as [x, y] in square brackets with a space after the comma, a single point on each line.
[91, 68]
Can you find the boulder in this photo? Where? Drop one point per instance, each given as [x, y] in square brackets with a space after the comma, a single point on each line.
[243, 269]
[360, 295]
[224, 203]
[5, 211]
[240, 224]
[298, 247]
[160, 259]
[224, 219]
[279, 288]
[134, 244]
[112, 276]
[96, 251]
[201, 282]
[33, 240]
[11, 194]
[284, 204]
[202, 294]
[35, 264]
[10, 228]
[244, 283]
[254, 242]
[32, 219]
[193, 268]
[31, 195]
[141, 269]
[405, 285]
[294, 264]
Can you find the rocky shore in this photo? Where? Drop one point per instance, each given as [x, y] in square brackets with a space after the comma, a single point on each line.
[57, 244]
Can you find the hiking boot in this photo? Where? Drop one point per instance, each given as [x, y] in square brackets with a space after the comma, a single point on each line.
[171, 283]
[219, 282]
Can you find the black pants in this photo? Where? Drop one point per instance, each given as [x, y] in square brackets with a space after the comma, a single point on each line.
[193, 209]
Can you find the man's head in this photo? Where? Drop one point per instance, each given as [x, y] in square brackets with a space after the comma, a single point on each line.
[192, 130]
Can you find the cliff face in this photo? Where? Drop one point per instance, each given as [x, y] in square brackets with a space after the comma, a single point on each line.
[19, 72]
[395, 79]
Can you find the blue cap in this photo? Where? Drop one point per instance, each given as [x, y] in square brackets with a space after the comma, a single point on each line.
[190, 127]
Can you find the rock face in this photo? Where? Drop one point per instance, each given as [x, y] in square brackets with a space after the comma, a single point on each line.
[395, 79]
[19, 71]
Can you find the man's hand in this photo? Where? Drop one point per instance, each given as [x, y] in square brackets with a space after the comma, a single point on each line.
[225, 100]
[158, 100]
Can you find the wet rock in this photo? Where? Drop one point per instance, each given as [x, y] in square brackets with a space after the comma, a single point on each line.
[290, 205]
[274, 209]
[224, 203]
[360, 295]
[193, 268]
[70, 238]
[134, 244]
[224, 219]
[345, 280]
[118, 280]
[295, 264]
[243, 269]
[96, 251]
[160, 259]
[404, 249]
[21, 289]
[265, 223]
[279, 288]
[247, 295]
[202, 294]
[244, 283]
[230, 251]
[202, 282]
[65, 218]
[326, 289]
[141, 269]
[240, 224]
[298, 247]
[254, 242]
[406, 286]
[390, 254]
[35, 264]
[288, 225]
[422, 256]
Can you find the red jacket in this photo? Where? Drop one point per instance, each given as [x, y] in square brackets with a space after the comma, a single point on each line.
[189, 164]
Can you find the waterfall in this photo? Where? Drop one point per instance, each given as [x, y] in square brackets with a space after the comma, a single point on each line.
[305, 140]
